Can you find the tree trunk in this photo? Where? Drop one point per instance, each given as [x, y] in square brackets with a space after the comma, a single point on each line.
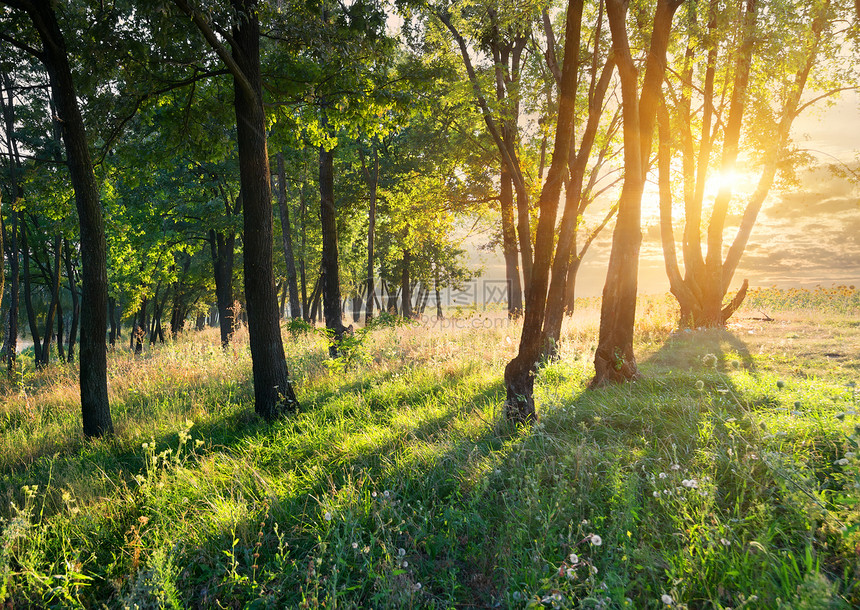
[273, 393]
[405, 287]
[112, 319]
[372, 184]
[222, 248]
[330, 268]
[614, 360]
[519, 373]
[10, 243]
[286, 234]
[54, 278]
[95, 407]
[509, 245]
[28, 296]
[11, 248]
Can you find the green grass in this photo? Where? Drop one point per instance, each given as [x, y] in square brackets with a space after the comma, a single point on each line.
[726, 478]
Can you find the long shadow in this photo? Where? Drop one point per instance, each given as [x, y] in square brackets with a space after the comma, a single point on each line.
[686, 348]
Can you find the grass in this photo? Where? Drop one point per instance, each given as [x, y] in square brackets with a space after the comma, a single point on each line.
[726, 478]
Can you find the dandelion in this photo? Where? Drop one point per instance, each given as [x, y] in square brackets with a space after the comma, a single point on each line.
[574, 558]
[676, 467]
[656, 494]
[709, 360]
[373, 494]
[355, 545]
[405, 564]
[571, 574]
[401, 552]
[596, 540]
[327, 516]
[725, 541]
[386, 493]
[662, 475]
[593, 570]
[667, 599]
[780, 384]
[842, 462]
[700, 385]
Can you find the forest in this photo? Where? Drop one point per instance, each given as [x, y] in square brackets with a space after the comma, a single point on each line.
[291, 313]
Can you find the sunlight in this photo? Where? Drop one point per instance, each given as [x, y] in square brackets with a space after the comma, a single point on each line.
[729, 179]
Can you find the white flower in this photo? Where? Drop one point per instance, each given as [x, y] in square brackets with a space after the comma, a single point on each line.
[667, 599]
[355, 545]
[373, 494]
[571, 574]
[401, 552]
[691, 483]
[676, 467]
[593, 570]
[842, 462]
[656, 494]
[596, 540]
[662, 475]
[725, 541]
[327, 516]
[386, 493]
[574, 558]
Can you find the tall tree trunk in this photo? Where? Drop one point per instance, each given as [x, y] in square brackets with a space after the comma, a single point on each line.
[372, 184]
[405, 286]
[273, 392]
[28, 296]
[519, 373]
[286, 234]
[614, 360]
[509, 245]
[330, 267]
[11, 251]
[54, 278]
[112, 318]
[222, 248]
[61, 351]
[76, 306]
[439, 314]
[95, 407]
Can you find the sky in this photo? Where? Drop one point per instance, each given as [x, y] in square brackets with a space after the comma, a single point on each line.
[804, 236]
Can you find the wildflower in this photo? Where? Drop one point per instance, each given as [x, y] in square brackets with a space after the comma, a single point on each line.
[842, 462]
[355, 545]
[327, 516]
[401, 552]
[691, 483]
[700, 385]
[676, 467]
[780, 384]
[373, 494]
[725, 541]
[574, 558]
[596, 540]
[667, 599]
[405, 564]
[709, 360]
[386, 493]
[656, 494]
[571, 574]
[662, 475]
[417, 585]
[593, 570]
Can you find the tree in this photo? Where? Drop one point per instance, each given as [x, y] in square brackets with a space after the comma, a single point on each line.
[95, 407]
[730, 86]
[614, 360]
[519, 373]
[273, 393]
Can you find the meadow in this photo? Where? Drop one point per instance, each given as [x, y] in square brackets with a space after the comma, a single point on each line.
[726, 478]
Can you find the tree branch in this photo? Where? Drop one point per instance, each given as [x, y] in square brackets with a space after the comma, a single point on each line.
[206, 29]
[22, 46]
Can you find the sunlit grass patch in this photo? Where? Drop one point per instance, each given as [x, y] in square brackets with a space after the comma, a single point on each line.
[723, 478]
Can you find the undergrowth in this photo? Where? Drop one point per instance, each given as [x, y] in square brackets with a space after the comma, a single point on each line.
[723, 479]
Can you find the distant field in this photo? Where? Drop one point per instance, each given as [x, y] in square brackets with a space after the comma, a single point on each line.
[727, 478]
